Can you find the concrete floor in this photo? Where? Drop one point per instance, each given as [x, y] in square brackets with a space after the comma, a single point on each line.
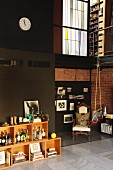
[87, 155]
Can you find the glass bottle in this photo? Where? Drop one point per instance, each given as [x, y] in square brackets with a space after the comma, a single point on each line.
[3, 140]
[43, 133]
[9, 139]
[6, 140]
[27, 135]
[40, 134]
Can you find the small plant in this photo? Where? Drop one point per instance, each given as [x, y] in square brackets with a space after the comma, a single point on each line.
[30, 117]
[44, 116]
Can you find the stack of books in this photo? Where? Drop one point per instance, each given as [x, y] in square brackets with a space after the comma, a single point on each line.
[51, 152]
[36, 156]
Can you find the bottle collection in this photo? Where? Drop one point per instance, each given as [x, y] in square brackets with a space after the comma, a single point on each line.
[5, 138]
[22, 135]
[38, 133]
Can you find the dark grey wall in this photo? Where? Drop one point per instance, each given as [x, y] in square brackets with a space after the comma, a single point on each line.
[23, 82]
[19, 83]
[39, 37]
[77, 89]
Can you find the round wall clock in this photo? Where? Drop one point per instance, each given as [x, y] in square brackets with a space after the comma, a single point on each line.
[25, 23]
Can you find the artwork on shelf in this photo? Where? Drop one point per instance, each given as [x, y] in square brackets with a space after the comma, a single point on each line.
[35, 147]
[68, 118]
[71, 106]
[61, 105]
[69, 89]
[31, 107]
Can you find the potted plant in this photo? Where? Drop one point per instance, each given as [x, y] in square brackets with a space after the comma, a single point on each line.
[44, 116]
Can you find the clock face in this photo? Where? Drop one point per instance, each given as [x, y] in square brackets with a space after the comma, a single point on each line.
[25, 23]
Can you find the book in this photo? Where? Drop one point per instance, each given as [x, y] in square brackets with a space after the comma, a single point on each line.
[51, 149]
[51, 153]
[36, 153]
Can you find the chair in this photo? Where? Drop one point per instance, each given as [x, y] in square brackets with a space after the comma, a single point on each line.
[81, 124]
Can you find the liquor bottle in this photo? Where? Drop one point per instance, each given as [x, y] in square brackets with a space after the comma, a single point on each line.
[24, 135]
[27, 135]
[34, 133]
[3, 140]
[40, 134]
[18, 137]
[21, 136]
[6, 140]
[43, 133]
[9, 139]
[0, 140]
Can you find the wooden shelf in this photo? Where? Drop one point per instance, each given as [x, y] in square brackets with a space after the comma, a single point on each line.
[97, 22]
[25, 147]
[95, 4]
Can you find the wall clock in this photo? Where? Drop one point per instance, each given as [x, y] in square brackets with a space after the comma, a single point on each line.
[25, 23]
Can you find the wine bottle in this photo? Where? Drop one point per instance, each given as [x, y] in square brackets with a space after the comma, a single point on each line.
[27, 135]
[9, 139]
[3, 140]
[18, 137]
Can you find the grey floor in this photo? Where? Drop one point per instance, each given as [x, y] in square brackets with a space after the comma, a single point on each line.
[78, 155]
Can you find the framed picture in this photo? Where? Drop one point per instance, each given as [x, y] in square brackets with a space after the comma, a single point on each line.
[71, 106]
[61, 105]
[68, 118]
[69, 89]
[31, 107]
[61, 93]
[35, 147]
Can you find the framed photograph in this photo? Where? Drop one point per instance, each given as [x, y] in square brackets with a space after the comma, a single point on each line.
[35, 147]
[61, 105]
[61, 91]
[71, 106]
[31, 107]
[68, 118]
[69, 89]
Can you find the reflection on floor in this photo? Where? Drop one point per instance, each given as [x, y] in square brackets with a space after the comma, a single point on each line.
[78, 154]
[68, 140]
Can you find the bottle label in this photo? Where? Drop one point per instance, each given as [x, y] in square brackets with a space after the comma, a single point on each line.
[3, 140]
[18, 138]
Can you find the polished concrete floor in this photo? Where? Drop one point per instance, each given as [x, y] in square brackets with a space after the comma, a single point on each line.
[78, 154]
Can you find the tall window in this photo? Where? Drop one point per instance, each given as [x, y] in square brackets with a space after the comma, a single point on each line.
[75, 16]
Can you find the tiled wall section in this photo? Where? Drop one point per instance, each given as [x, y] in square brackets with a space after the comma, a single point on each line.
[62, 74]
[106, 80]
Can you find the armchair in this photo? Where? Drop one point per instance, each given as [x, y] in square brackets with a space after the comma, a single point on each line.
[81, 124]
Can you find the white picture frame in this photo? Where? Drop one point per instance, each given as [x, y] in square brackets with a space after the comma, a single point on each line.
[68, 118]
[61, 91]
[35, 147]
[72, 105]
[31, 107]
[61, 105]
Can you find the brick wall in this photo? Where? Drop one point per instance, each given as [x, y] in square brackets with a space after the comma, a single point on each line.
[62, 74]
[106, 80]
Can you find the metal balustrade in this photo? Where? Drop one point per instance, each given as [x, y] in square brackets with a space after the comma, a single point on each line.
[101, 42]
